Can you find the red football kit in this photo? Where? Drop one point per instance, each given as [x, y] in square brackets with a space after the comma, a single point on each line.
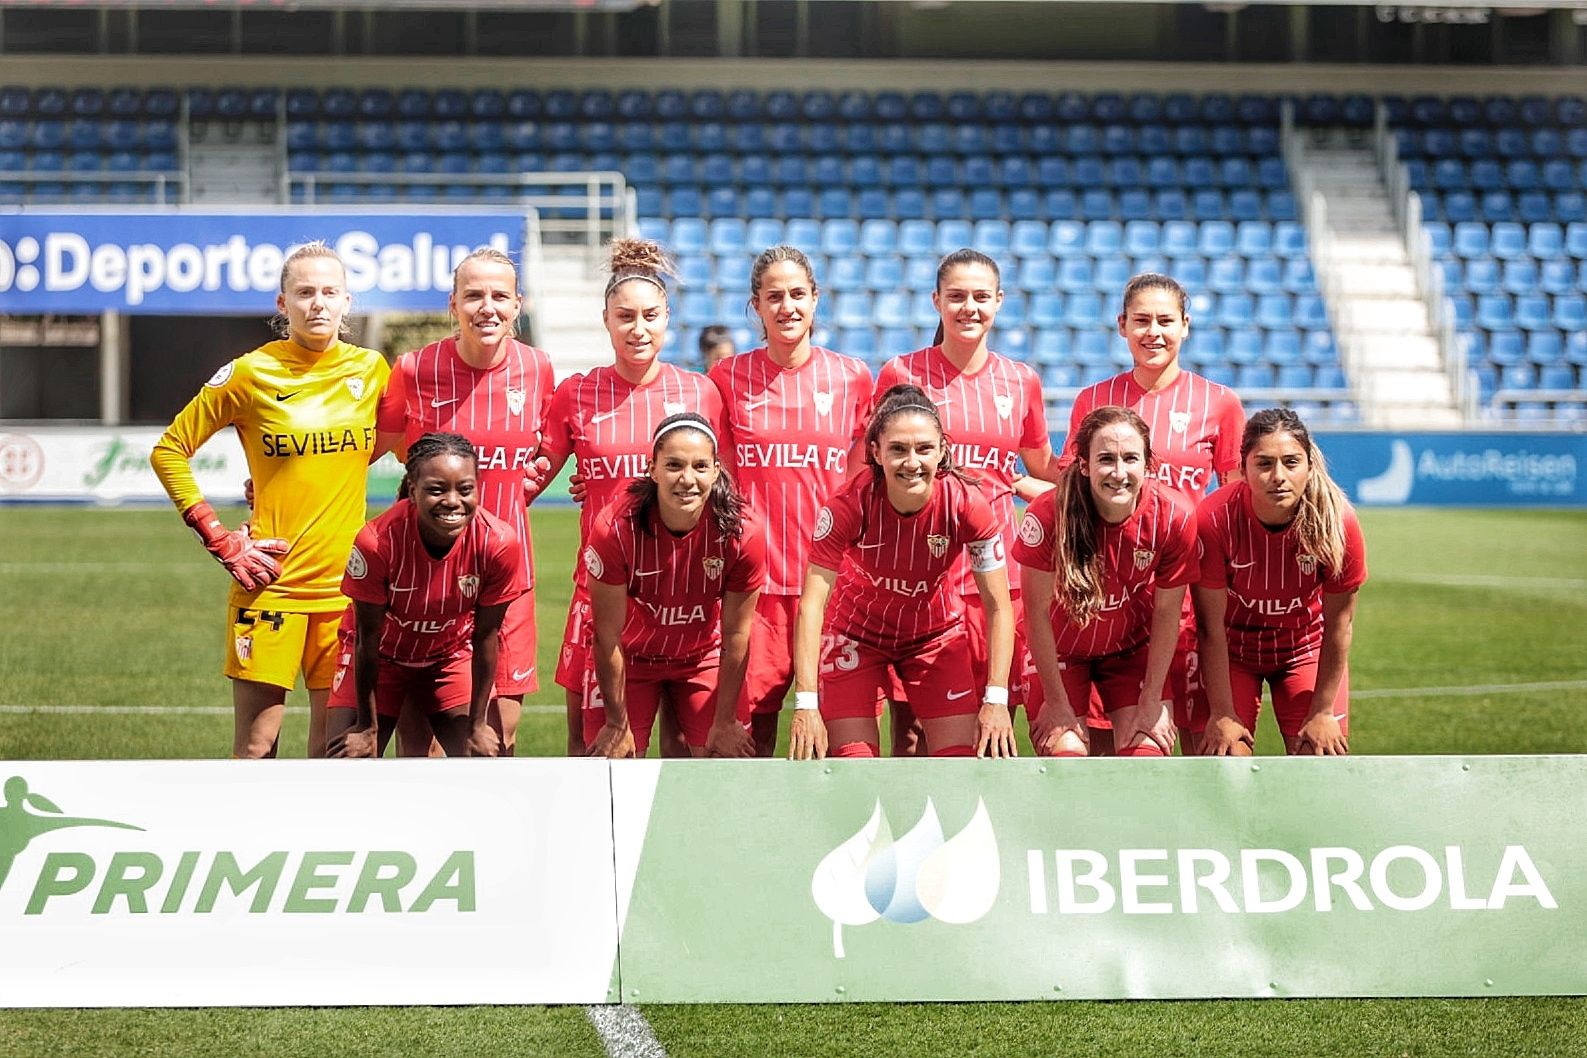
[790, 433]
[894, 604]
[988, 416]
[672, 637]
[430, 602]
[1154, 547]
[1195, 427]
[1274, 618]
[502, 411]
[606, 424]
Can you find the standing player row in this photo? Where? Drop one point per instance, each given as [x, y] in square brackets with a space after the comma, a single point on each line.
[788, 416]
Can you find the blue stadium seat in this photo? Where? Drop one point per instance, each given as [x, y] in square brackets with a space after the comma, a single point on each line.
[1180, 238]
[985, 204]
[1226, 275]
[953, 235]
[834, 202]
[1189, 270]
[1214, 239]
[1471, 239]
[1570, 312]
[840, 235]
[886, 274]
[1508, 240]
[695, 271]
[1545, 347]
[1264, 275]
[1104, 237]
[1075, 273]
[1046, 310]
[991, 237]
[1083, 310]
[1037, 274]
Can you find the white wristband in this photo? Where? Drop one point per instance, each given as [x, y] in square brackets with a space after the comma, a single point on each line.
[995, 696]
[806, 700]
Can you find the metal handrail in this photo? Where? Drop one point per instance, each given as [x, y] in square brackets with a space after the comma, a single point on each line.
[159, 180]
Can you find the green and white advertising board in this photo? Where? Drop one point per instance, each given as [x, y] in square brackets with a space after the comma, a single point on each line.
[555, 881]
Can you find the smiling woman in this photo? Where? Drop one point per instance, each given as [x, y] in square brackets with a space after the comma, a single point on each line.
[304, 408]
[430, 581]
[681, 545]
[487, 386]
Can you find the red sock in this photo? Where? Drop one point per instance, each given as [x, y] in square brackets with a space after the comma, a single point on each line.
[858, 749]
[954, 751]
[1145, 749]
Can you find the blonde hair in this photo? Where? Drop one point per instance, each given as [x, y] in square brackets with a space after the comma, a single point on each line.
[493, 256]
[641, 259]
[1320, 516]
[318, 248]
[1077, 538]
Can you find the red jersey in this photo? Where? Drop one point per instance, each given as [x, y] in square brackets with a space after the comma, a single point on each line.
[895, 591]
[790, 433]
[430, 602]
[606, 423]
[675, 583]
[1195, 426]
[988, 417]
[501, 410]
[1274, 615]
[1154, 547]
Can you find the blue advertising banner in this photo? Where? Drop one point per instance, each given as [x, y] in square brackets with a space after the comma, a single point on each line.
[219, 263]
[1386, 469]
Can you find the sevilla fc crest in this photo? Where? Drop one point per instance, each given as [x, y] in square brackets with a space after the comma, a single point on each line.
[1143, 559]
[1179, 421]
[937, 544]
[355, 386]
[823, 403]
[1307, 564]
[823, 524]
[515, 400]
[468, 584]
[672, 407]
[244, 649]
[1004, 402]
[713, 567]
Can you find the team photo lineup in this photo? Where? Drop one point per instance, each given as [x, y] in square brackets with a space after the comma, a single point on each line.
[783, 523]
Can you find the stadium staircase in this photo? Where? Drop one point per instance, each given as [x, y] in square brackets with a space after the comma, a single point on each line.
[1386, 340]
[233, 173]
[566, 304]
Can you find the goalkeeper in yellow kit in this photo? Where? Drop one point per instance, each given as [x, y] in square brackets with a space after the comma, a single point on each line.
[304, 408]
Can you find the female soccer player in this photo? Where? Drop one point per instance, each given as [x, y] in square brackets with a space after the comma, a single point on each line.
[884, 549]
[991, 409]
[795, 417]
[1281, 560]
[430, 580]
[675, 566]
[605, 419]
[494, 390]
[304, 408]
[1195, 427]
[1105, 559]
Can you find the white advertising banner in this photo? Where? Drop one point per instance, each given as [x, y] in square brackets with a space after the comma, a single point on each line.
[108, 464]
[217, 883]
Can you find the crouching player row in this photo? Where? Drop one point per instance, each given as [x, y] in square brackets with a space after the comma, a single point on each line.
[430, 581]
[1275, 561]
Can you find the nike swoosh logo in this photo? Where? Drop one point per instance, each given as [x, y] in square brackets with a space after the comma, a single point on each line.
[437, 402]
[864, 546]
[954, 696]
[411, 587]
[516, 675]
[286, 396]
[757, 404]
[603, 416]
[1242, 565]
[646, 572]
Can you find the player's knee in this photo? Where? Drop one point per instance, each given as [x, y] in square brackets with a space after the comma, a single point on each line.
[858, 749]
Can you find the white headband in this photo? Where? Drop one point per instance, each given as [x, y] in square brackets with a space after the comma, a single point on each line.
[693, 424]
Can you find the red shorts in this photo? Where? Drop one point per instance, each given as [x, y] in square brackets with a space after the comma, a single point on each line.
[769, 674]
[577, 635]
[1021, 671]
[434, 688]
[515, 664]
[1292, 688]
[1113, 680]
[1179, 687]
[689, 687]
[938, 677]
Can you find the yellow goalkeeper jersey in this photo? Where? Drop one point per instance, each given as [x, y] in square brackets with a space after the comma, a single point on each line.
[307, 425]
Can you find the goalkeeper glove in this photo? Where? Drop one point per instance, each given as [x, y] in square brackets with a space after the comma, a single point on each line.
[251, 562]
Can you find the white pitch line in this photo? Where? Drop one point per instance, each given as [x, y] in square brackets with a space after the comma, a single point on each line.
[624, 1032]
[1471, 692]
[183, 710]
[88, 567]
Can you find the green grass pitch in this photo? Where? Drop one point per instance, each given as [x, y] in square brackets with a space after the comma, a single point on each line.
[1471, 637]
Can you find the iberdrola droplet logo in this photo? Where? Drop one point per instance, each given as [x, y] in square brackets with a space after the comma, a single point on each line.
[919, 876]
